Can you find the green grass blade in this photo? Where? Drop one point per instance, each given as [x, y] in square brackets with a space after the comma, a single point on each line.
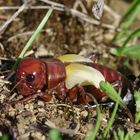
[33, 37]
[37, 31]
[130, 9]
[132, 52]
[134, 34]
[54, 134]
[129, 136]
[111, 93]
[136, 136]
[4, 137]
[137, 100]
[131, 14]
[91, 135]
[112, 119]
[115, 135]
[121, 134]
[128, 19]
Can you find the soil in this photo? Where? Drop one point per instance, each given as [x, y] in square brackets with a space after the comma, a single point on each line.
[63, 34]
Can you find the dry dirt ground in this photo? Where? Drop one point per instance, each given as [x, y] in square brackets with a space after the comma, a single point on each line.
[64, 33]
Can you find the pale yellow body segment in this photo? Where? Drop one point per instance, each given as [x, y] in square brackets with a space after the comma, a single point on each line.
[83, 75]
[73, 58]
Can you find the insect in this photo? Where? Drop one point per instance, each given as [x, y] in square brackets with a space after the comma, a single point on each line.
[70, 77]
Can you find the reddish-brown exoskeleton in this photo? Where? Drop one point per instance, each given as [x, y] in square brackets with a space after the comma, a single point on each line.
[41, 78]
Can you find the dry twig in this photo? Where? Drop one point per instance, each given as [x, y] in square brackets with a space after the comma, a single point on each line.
[5, 25]
[78, 14]
[30, 7]
[61, 7]
[28, 33]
